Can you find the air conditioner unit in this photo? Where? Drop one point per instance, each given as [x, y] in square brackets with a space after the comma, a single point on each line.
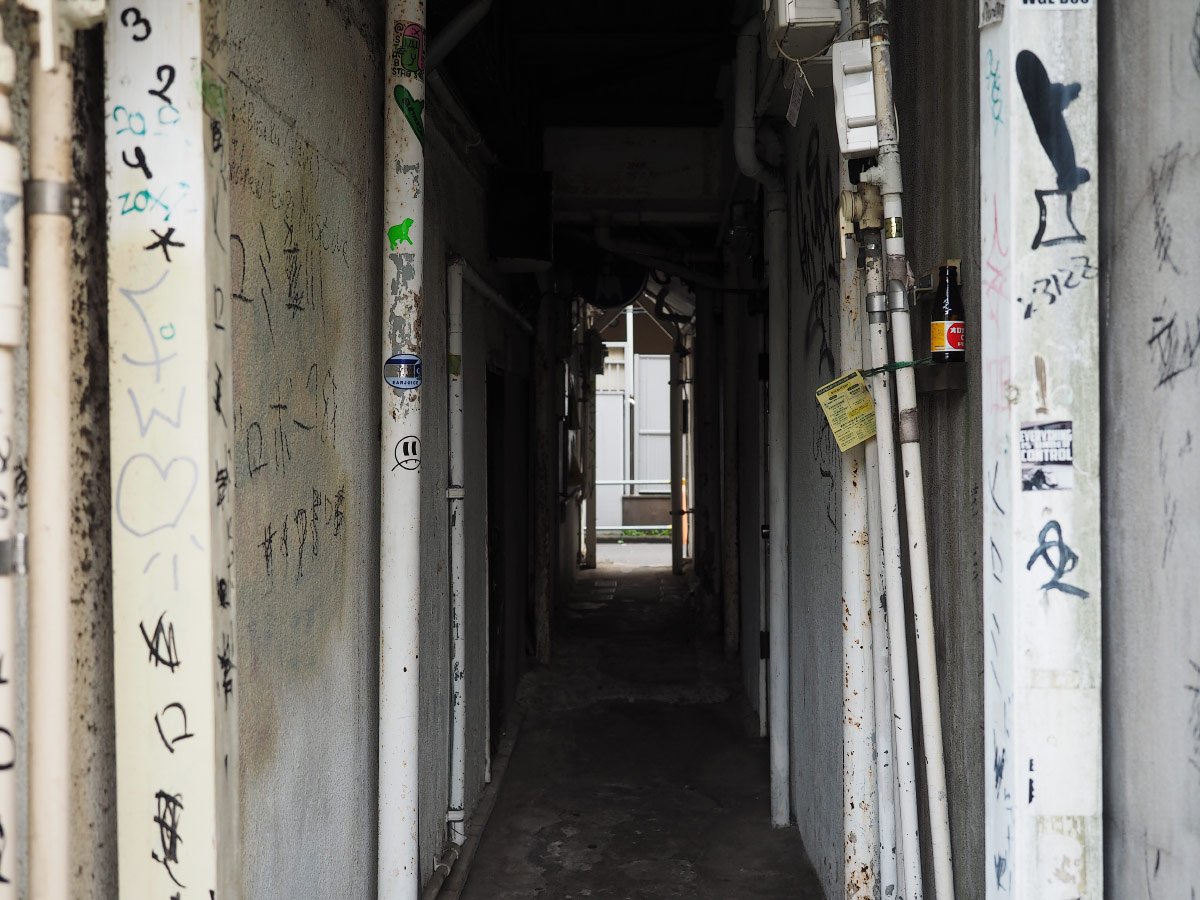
[801, 27]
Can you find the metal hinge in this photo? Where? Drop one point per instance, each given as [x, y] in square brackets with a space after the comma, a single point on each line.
[764, 645]
[12, 556]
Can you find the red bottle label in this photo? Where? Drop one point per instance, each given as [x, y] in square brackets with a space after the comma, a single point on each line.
[955, 335]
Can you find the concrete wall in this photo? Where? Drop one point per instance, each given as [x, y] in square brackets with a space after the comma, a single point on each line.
[1150, 396]
[814, 500]
[305, 168]
[935, 49]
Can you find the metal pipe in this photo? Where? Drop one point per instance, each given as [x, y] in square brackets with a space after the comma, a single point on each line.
[12, 301]
[51, 104]
[885, 769]
[887, 175]
[744, 135]
[902, 731]
[400, 519]
[456, 498]
[589, 454]
[677, 458]
[860, 836]
[730, 572]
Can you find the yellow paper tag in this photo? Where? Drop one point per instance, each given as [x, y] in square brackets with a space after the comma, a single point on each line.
[850, 409]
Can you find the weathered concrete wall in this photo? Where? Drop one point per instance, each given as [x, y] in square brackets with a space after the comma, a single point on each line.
[814, 511]
[305, 169]
[1150, 407]
[935, 50]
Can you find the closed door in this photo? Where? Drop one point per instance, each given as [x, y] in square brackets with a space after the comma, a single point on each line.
[652, 457]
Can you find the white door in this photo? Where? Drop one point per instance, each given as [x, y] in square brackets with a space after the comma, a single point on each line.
[611, 441]
[652, 453]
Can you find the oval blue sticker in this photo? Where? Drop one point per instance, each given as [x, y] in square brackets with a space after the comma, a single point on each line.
[403, 371]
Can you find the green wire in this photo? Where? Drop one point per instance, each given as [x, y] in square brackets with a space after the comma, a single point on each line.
[892, 367]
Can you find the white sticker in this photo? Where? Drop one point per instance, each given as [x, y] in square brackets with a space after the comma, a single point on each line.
[403, 371]
[1047, 456]
[1054, 4]
[991, 12]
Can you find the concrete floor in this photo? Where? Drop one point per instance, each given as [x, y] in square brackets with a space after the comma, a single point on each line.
[638, 772]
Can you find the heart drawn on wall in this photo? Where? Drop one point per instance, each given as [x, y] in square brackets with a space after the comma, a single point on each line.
[171, 486]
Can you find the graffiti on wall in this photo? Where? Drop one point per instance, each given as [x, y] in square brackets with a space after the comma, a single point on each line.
[1047, 102]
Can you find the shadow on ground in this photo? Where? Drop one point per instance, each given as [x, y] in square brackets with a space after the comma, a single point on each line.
[638, 772]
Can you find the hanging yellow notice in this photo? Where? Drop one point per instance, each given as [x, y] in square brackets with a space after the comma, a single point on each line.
[849, 408]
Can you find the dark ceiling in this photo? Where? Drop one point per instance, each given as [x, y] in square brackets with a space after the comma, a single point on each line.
[534, 63]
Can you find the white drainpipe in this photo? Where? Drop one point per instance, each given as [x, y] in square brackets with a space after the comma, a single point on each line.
[887, 176]
[744, 135]
[51, 106]
[456, 495]
[901, 724]
[12, 292]
[676, 375]
[400, 513]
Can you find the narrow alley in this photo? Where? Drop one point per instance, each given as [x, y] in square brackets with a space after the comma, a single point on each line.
[639, 772]
[496, 449]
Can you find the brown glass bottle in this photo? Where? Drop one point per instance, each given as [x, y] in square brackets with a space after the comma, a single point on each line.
[946, 331]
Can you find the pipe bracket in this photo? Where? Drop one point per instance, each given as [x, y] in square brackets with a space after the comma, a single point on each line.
[50, 198]
[13, 556]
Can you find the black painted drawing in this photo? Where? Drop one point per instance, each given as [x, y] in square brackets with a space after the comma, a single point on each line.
[1047, 102]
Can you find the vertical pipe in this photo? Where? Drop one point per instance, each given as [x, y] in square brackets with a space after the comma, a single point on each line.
[400, 513]
[885, 769]
[860, 838]
[676, 376]
[730, 343]
[545, 505]
[12, 285]
[456, 496]
[52, 113]
[777, 507]
[627, 411]
[888, 176]
[589, 445]
[902, 732]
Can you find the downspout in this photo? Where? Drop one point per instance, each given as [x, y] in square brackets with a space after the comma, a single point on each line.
[12, 294]
[902, 731]
[744, 135]
[51, 105]
[455, 496]
[676, 376]
[730, 353]
[886, 174]
[400, 475]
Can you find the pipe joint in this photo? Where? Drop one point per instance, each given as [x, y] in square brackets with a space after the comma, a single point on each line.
[877, 306]
[49, 198]
[897, 296]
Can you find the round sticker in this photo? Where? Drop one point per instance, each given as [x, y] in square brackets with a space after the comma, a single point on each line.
[403, 371]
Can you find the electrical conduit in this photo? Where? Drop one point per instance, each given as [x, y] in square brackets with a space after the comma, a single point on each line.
[887, 176]
[902, 730]
[778, 694]
[51, 104]
[456, 495]
[12, 289]
[400, 512]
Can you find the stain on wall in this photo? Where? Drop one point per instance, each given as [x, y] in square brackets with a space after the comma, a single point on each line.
[1150, 476]
[304, 134]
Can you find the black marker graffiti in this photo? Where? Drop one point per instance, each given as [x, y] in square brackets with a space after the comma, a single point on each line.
[162, 644]
[1047, 102]
[165, 74]
[225, 660]
[1067, 559]
[170, 811]
[1176, 346]
[182, 735]
[131, 17]
[164, 243]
